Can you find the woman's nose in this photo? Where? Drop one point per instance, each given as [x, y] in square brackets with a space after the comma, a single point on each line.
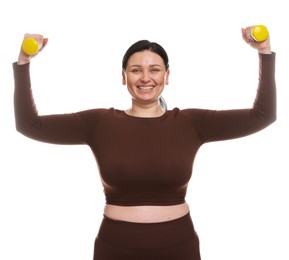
[145, 77]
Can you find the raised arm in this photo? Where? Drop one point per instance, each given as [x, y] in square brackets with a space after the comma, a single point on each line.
[217, 125]
[73, 128]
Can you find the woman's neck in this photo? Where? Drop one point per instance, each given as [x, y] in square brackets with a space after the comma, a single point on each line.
[145, 111]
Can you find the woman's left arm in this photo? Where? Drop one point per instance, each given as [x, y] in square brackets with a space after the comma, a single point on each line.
[228, 124]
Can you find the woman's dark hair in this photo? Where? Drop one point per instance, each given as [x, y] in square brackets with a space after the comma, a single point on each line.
[143, 45]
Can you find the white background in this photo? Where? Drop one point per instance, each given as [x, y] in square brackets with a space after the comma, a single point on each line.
[51, 197]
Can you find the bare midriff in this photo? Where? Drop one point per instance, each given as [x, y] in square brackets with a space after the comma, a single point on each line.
[146, 214]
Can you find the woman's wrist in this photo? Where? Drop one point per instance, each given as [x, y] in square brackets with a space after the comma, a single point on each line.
[266, 50]
[23, 60]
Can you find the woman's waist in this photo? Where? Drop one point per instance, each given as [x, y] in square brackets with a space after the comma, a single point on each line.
[146, 214]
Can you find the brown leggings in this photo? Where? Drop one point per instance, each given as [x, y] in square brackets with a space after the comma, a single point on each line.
[171, 240]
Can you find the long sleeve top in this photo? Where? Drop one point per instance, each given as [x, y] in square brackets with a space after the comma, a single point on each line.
[145, 161]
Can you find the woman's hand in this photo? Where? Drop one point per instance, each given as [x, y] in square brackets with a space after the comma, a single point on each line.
[263, 47]
[24, 58]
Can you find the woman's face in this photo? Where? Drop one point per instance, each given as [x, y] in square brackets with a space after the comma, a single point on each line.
[145, 76]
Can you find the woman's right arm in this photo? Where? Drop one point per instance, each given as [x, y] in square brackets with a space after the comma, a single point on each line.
[74, 128]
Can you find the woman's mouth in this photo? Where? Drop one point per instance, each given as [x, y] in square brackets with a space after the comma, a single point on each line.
[145, 87]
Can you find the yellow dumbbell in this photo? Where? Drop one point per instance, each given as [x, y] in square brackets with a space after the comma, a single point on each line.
[259, 33]
[30, 46]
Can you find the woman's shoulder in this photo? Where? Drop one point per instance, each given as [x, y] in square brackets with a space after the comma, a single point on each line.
[189, 112]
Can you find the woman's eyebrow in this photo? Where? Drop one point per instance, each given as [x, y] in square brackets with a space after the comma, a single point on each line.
[152, 65]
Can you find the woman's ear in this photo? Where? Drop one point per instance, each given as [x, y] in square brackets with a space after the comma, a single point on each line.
[167, 77]
[123, 78]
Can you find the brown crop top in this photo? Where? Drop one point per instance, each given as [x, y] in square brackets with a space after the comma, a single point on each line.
[145, 161]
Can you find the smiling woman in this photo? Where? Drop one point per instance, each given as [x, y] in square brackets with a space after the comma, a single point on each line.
[147, 63]
[146, 153]
[145, 77]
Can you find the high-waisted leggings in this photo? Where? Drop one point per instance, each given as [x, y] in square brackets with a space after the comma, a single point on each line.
[171, 240]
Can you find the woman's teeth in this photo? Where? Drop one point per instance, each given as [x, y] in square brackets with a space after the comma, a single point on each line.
[145, 87]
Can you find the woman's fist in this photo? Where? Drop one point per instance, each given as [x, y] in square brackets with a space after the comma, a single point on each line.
[31, 45]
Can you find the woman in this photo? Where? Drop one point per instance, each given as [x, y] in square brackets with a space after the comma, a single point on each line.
[145, 154]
